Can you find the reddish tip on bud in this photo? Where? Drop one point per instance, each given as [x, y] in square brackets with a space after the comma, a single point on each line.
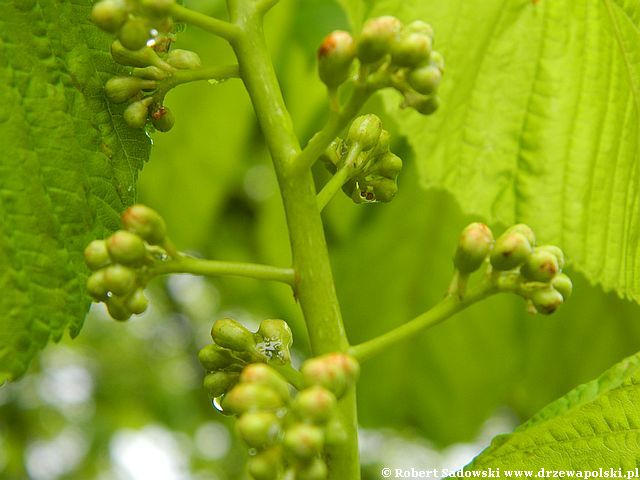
[262, 374]
[546, 301]
[303, 441]
[146, 223]
[474, 245]
[126, 248]
[245, 397]
[376, 38]
[510, 251]
[542, 265]
[336, 372]
[316, 404]
[259, 429]
[335, 56]
[96, 255]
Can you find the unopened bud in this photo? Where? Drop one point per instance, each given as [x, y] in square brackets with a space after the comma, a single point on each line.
[120, 280]
[365, 130]
[146, 223]
[418, 26]
[376, 38]
[245, 397]
[259, 429]
[214, 357]
[118, 310]
[96, 255]
[335, 56]
[411, 50]
[109, 15]
[425, 79]
[183, 59]
[541, 265]
[137, 303]
[336, 372]
[389, 165]
[162, 119]
[135, 115]
[474, 245]
[425, 105]
[134, 34]
[315, 403]
[262, 374]
[141, 58]
[121, 89]
[557, 252]
[316, 469]
[266, 465]
[546, 300]
[510, 250]
[525, 230]
[303, 440]
[96, 286]
[231, 334]
[276, 340]
[219, 383]
[126, 248]
[438, 60]
[562, 283]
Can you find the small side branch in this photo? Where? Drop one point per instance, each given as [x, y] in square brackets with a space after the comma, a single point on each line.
[196, 266]
[218, 27]
[180, 77]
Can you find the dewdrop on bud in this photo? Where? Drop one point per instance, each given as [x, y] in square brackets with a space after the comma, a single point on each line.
[96, 286]
[510, 250]
[303, 441]
[231, 334]
[109, 15]
[425, 79]
[376, 38]
[316, 469]
[162, 119]
[214, 357]
[259, 429]
[96, 255]
[137, 303]
[146, 223]
[547, 300]
[266, 465]
[474, 245]
[134, 34]
[262, 374]
[562, 283]
[410, 49]
[219, 383]
[365, 131]
[183, 59]
[246, 397]
[335, 56]
[336, 372]
[121, 89]
[126, 248]
[119, 280]
[135, 115]
[315, 403]
[117, 310]
[276, 339]
[541, 265]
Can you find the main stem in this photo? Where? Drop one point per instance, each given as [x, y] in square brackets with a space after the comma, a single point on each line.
[314, 281]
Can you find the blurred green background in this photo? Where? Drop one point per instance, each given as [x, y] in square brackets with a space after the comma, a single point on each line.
[124, 401]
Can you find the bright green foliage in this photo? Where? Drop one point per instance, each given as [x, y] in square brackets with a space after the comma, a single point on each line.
[539, 122]
[593, 426]
[68, 167]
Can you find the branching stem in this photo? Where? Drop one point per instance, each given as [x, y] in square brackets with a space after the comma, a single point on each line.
[218, 27]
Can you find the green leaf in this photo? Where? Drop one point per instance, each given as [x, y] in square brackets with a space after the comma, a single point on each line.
[67, 169]
[593, 426]
[539, 122]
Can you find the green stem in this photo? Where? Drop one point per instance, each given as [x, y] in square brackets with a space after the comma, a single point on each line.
[293, 376]
[314, 281]
[447, 307]
[333, 186]
[212, 25]
[198, 266]
[180, 77]
[336, 123]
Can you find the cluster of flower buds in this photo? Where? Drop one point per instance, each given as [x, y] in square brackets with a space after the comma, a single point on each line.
[143, 31]
[286, 433]
[390, 54]
[235, 347]
[120, 262]
[365, 151]
[516, 264]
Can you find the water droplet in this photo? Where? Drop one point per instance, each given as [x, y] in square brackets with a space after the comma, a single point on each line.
[216, 404]
[216, 81]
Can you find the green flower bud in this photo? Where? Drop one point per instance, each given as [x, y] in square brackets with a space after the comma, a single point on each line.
[137, 303]
[96, 255]
[157, 8]
[334, 433]
[542, 265]
[135, 115]
[126, 248]
[266, 465]
[118, 310]
[109, 15]
[96, 286]
[524, 230]
[219, 383]
[119, 280]
[141, 58]
[335, 56]
[259, 429]
[557, 252]
[365, 131]
[426, 105]
[162, 119]
[150, 73]
[438, 60]
[389, 165]
[316, 404]
[316, 469]
[214, 357]
[474, 245]
[425, 79]
[336, 372]
[510, 251]
[303, 441]
[384, 189]
[376, 38]
[146, 223]
[546, 300]
[183, 59]
[276, 340]
[134, 34]
[411, 49]
[562, 283]
[121, 89]
[382, 147]
[231, 334]
[245, 397]
[262, 374]
[418, 26]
